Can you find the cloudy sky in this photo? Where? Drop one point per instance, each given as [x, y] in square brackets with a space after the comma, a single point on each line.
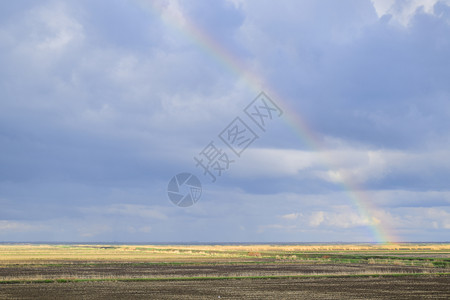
[102, 102]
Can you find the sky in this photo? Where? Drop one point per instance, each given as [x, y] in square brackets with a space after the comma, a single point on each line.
[103, 102]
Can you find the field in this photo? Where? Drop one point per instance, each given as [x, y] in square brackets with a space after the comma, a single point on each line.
[366, 271]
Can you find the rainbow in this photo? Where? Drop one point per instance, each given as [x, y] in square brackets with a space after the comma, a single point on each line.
[175, 19]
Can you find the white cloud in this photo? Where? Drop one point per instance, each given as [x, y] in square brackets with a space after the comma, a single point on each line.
[339, 217]
[60, 29]
[13, 226]
[273, 162]
[130, 210]
[291, 216]
[382, 7]
[92, 230]
[440, 217]
[353, 165]
[135, 229]
[46, 32]
[316, 218]
[344, 165]
[403, 11]
[380, 163]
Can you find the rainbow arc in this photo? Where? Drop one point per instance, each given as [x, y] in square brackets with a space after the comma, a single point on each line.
[206, 43]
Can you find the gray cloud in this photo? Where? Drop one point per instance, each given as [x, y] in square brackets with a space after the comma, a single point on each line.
[102, 102]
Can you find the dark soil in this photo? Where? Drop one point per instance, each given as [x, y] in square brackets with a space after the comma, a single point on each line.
[409, 287]
[191, 270]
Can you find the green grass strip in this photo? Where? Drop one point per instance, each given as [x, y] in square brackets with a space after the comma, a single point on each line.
[64, 280]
